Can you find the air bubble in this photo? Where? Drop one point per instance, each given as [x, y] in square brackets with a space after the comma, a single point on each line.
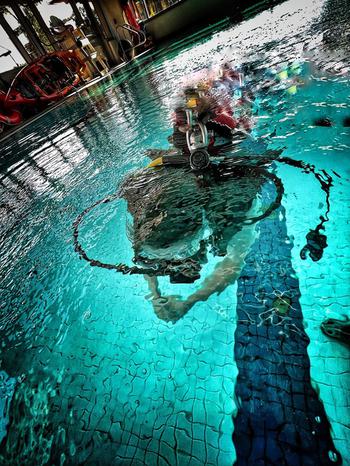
[333, 456]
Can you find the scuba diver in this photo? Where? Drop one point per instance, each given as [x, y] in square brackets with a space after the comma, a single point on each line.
[200, 197]
[221, 106]
[183, 218]
[194, 204]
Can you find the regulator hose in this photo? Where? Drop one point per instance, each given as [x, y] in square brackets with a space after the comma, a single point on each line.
[190, 267]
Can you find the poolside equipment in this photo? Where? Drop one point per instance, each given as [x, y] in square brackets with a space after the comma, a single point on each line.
[48, 79]
[8, 116]
[95, 60]
[131, 39]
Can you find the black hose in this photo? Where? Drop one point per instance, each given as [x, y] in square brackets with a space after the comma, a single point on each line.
[315, 241]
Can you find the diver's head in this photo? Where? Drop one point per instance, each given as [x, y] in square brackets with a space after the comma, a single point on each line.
[194, 96]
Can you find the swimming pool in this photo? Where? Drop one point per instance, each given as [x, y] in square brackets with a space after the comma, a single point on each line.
[89, 372]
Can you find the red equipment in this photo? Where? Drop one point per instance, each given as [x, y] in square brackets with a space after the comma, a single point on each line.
[47, 79]
[8, 116]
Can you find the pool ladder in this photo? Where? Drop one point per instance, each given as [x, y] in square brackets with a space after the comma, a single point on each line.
[128, 46]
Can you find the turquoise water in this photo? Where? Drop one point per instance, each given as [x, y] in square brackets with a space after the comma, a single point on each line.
[89, 372]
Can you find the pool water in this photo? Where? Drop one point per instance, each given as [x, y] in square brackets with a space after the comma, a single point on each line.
[92, 370]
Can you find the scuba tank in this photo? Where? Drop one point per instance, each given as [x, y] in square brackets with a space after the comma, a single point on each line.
[197, 142]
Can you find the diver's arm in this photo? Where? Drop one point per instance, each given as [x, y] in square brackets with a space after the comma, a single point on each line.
[172, 308]
[167, 308]
[228, 270]
[153, 286]
[224, 274]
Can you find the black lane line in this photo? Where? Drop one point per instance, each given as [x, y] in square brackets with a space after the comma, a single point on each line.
[280, 419]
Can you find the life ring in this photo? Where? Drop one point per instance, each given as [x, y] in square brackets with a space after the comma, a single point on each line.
[11, 118]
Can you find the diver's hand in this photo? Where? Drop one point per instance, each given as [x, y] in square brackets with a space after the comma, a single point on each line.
[170, 308]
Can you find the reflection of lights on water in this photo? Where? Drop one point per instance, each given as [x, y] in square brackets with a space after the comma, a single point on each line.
[221, 311]
[268, 26]
[87, 315]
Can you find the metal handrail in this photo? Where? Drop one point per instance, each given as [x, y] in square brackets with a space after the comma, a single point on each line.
[139, 34]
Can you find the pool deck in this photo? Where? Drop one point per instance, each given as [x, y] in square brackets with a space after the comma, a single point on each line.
[77, 91]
